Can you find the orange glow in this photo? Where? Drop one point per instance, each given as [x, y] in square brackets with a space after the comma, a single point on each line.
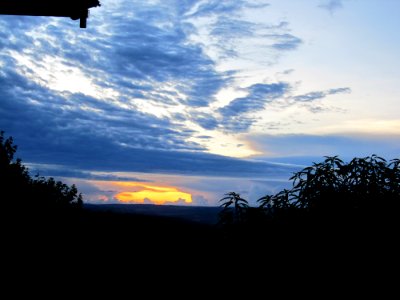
[139, 193]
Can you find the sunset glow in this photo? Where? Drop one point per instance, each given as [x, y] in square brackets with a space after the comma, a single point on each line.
[142, 193]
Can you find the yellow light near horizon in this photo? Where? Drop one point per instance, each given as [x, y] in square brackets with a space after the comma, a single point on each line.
[147, 186]
[152, 193]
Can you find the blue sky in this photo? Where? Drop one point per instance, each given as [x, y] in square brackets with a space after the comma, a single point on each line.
[203, 96]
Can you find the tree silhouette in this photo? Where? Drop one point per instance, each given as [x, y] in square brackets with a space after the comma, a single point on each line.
[365, 191]
[14, 177]
[235, 214]
[37, 195]
[362, 184]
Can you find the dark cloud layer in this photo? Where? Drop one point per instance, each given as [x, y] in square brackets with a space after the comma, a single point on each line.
[133, 54]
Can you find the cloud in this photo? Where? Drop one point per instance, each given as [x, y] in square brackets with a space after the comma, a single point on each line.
[331, 5]
[228, 33]
[54, 119]
[135, 66]
[117, 96]
[52, 130]
[119, 120]
[155, 56]
[317, 95]
[65, 171]
[225, 7]
[232, 28]
[140, 63]
[345, 90]
[235, 114]
[144, 193]
[284, 42]
[200, 200]
[120, 159]
[206, 121]
[258, 96]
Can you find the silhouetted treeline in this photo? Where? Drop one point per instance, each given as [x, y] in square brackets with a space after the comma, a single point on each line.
[26, 197]
[350, 202]
[332, 206]
[43, 215]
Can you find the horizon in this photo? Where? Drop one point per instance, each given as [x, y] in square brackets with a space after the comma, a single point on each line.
[179, 102]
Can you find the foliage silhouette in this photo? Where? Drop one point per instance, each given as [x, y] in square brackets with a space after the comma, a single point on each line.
[12, 173]
[36, 195]
[353, 199]
[333, 194]
[235, 214]
[46, 219]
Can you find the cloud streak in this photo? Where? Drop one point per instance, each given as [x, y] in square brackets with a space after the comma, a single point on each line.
[236, 116]
[331, 5]
[318, 95]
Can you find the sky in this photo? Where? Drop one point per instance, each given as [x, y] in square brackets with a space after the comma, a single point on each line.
[181, 101]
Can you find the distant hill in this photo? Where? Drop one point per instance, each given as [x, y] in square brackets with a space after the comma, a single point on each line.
[197, 214]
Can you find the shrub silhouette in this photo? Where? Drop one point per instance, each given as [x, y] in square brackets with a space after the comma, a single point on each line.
[237, 213]
[363, 183]
[12, 173]
[363, 190]
[36, 195]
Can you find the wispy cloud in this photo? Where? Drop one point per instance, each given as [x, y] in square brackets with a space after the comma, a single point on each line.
[225, 7]
[66, 171]
[317, 95]
[284, 41]
[235, 115]
[331, 5]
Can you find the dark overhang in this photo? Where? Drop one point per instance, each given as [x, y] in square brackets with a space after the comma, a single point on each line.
[74, 9]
